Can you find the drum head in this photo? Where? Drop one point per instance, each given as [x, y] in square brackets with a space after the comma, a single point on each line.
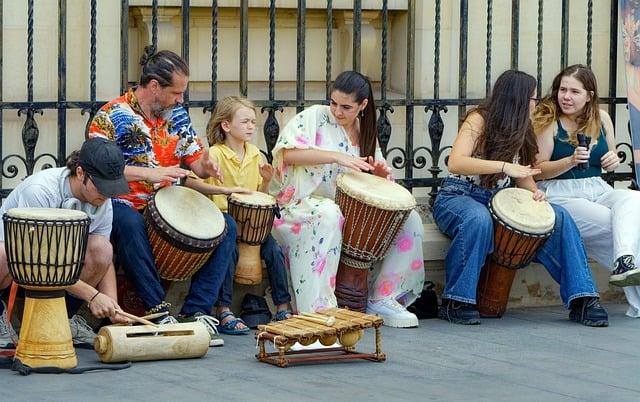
[517, 208]
[46, 214]
[189, 212]
[255, 198]
[376, 191]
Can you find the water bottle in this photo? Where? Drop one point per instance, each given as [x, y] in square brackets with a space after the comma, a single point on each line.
[583, 141]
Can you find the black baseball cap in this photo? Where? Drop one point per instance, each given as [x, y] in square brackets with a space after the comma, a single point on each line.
[103, 161]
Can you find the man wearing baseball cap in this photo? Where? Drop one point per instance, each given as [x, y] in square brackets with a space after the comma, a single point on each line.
[91, 177]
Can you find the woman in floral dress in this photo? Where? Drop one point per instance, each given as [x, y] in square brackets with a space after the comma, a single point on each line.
[313, 148]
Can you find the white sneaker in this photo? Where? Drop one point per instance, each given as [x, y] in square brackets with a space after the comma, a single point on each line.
[212, 326]
[168, 319]
[393, 313]
[8, 337]
[81, 332]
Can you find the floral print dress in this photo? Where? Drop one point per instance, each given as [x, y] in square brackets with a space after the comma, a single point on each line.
[310, 228]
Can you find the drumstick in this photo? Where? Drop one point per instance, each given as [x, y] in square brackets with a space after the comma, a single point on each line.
[328, 322]
[155, 315]
[136, 318]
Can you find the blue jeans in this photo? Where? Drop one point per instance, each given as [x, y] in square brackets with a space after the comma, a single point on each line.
[460, 211]
[133, 250]
[273, 258]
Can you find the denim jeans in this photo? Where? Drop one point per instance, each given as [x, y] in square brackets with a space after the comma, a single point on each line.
[133, 250]
[273, 258]
[460, 211]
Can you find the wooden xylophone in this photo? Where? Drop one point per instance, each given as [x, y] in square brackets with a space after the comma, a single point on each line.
[327, 327]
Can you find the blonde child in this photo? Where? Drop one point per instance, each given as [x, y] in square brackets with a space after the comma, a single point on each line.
[229, 133]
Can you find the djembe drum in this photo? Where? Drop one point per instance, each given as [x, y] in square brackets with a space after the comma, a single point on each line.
[184, 228]
[374, 210]
[521, 226]
[45, 251]
[254, 215]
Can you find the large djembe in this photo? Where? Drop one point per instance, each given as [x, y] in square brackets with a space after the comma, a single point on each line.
[374, 210]
[45, 251]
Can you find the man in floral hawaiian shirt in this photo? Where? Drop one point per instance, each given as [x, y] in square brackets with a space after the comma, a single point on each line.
[155, 134]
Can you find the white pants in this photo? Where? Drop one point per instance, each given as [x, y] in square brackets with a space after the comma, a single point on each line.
[608, 220]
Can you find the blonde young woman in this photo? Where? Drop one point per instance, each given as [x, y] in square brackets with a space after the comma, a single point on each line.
[607, 218]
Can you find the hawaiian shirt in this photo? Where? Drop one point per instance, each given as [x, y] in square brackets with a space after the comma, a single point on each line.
[167, 141]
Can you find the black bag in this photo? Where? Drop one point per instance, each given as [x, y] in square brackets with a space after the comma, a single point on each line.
[425, 306]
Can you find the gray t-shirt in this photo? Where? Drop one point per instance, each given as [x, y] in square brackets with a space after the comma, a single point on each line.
[50, 188]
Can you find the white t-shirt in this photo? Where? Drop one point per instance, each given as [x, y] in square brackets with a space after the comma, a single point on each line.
[50, 188]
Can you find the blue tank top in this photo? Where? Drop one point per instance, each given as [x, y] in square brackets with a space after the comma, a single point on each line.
[562, 148]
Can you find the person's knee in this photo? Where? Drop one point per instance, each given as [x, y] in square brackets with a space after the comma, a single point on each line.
[5, 277]
[99, 254]
[232, 230]
[478, 220]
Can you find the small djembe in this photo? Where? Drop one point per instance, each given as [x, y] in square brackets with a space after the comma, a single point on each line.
[45, 251]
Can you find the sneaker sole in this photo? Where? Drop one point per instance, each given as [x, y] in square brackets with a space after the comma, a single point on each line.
[470, 321]
[629, 278]
[396, 322]
[215, 343]
[590, 323]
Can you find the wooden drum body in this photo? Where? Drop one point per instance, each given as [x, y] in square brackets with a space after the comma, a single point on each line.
[521, 226]
[45, 252]
[374, 210]
[184, 227]
[253, 214]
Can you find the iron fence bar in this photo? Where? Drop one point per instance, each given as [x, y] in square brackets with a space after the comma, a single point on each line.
[62, 79]
[462, 66]
[409, 90]
[300, 49]
[564, 39]
[214, 56]
[329, 49]
[515, 33]
[154, 23]
[30, 51]
[589, 30]
[124, 45]
[92, 68]
[539, 47]
[244, 46]
[488, 51]
[383, 123]
[357, 38]
[436, 51]
[185, 42]
[271, 127]
[613, 57]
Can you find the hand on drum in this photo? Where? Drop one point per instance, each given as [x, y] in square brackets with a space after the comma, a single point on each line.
[539, 195]
[358, 163]
[266, 172]
[103, 306]
[518, 171]
[610, 161]
[231, 190]
[380, 169]
[166, 174]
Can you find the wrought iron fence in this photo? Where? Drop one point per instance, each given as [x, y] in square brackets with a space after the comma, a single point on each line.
[422, 165]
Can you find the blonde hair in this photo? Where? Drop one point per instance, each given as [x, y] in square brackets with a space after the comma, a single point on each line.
[225, 109]
[549, 110]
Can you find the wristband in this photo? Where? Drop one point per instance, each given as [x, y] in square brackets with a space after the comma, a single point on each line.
[94, 296]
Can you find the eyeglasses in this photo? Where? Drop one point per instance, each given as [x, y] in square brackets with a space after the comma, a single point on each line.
[536, 100]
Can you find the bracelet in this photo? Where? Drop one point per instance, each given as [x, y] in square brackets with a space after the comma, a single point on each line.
[503, 165]
[94, 296]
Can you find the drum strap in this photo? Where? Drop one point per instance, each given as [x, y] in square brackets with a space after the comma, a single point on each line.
[16, 365]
